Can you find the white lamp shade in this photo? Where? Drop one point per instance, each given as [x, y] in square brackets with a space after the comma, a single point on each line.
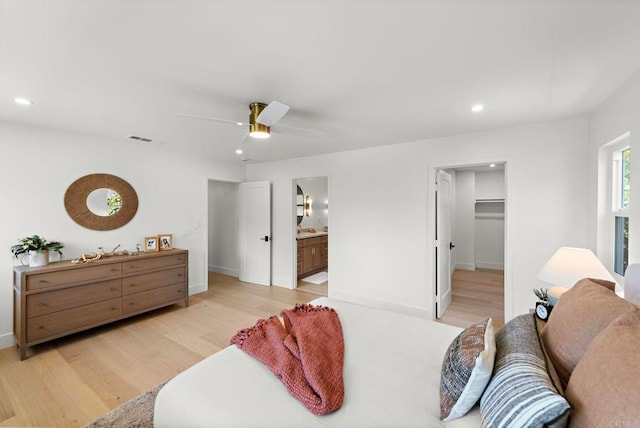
[569, 265]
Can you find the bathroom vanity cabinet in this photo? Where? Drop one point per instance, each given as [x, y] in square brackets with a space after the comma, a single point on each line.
[312, 255]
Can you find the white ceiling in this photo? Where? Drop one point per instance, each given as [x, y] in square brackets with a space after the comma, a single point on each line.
[366, 73]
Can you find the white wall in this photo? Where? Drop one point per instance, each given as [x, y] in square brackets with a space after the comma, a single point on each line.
[318, 189]
[489, 220]
[224, 252]
[37, 165]
[463, 231]
[489, 184]
[618, 114]
[381, 220]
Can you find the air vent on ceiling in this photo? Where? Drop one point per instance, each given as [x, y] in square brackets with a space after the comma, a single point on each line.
[145, 140]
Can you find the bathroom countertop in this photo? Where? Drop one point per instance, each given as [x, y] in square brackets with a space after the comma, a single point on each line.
[305, 235]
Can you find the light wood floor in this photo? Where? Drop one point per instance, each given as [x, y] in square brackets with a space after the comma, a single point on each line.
[73, 380]
[476, 295]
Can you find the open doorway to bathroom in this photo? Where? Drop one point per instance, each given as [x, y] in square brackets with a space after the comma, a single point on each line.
[477, 248]
[312, 234]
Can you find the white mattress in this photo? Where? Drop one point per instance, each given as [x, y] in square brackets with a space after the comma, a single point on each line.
[391, 377]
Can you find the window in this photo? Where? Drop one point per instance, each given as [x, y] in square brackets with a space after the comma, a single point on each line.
[621, 191]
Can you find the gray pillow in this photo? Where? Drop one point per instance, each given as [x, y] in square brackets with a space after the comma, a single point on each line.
[520, 393]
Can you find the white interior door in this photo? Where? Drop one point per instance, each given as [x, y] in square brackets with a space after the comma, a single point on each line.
[255, 232]
[443, 242]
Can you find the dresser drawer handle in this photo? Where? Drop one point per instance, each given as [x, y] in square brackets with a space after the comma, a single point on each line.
[41, 327]
[42, 304]
[114, 289]
[133, 285]
[44, 281]
[115, 270]
[131, 304]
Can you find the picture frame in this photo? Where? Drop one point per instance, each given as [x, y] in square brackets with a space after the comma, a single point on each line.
[150, 244]
[165, 241]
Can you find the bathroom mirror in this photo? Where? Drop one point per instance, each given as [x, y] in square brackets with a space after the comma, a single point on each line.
[300, 205]
[101, 202]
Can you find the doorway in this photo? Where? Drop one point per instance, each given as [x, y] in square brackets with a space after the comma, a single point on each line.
[239, 230]
[477, 250]
[311, 234]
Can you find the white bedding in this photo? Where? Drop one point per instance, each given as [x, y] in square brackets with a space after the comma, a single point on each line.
[391, 377]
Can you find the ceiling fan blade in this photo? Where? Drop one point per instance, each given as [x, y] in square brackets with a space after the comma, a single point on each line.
[213, 119]
[293, 130]
[272, 113]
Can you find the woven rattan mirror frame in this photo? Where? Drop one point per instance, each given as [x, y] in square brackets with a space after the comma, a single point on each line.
[75, 201]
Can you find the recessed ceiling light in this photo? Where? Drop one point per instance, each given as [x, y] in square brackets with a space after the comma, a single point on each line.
[22, 101]
[493, 165]
[239, 152]
[477, 108]
[239, 123]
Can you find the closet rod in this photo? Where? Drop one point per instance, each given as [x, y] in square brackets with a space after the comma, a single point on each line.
[480, 201]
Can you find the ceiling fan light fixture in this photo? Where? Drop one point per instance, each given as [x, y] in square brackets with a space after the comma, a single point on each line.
[257, 130]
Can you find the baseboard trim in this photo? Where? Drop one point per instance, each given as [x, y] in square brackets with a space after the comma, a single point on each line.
[380, 304]
[465, 266]
[224, 271]
[7, 340]
[490, 265]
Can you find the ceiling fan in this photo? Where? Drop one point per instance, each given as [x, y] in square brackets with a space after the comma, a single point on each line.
[261, 118]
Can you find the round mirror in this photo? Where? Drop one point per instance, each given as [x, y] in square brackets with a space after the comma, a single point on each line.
[300, 205]
[101, 201]
[104, 202]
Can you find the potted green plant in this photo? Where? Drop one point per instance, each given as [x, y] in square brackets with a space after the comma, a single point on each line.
[37, 249]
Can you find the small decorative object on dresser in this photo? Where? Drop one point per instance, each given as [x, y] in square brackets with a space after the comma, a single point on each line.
[150, 244]
[37, 249]
[65, 298]
[166, 241]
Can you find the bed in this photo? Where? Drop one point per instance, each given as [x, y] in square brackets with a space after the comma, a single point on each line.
[392, 370]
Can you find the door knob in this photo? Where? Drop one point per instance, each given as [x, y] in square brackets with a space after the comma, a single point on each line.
[265, 239]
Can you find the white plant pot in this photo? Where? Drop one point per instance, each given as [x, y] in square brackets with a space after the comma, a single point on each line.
[38, 259]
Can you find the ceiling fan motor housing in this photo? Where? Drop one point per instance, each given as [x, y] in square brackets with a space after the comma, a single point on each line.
[256, 129]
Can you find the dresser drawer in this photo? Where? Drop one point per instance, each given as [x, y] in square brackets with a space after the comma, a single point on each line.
[148, 299]
[86, 273]
[153, 263]
[58, 300]
[149, 281]
[72, 319]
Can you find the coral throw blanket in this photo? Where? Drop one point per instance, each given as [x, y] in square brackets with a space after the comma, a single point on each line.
[306, 354]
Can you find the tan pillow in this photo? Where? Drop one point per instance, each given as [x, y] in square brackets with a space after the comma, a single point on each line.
[580, 314]
[605, 385]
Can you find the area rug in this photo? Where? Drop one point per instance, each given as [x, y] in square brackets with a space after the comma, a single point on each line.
[317, 278]
[137, 412]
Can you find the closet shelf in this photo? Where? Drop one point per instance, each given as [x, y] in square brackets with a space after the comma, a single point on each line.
[485, 201]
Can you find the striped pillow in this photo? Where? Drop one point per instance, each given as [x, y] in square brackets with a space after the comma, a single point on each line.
[520, 393]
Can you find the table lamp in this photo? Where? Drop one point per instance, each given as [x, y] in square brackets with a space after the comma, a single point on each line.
[569, 265]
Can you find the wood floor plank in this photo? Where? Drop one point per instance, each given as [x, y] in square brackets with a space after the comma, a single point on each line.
[476, 295]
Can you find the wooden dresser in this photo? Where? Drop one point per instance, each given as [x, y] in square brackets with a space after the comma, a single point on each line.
[63, 298]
